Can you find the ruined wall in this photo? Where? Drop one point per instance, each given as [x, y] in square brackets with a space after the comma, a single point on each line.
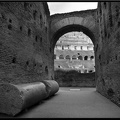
[84, 21]
[108, 51]
[73, 78]
[24, 42]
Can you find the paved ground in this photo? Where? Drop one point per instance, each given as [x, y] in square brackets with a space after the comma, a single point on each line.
[70, 103]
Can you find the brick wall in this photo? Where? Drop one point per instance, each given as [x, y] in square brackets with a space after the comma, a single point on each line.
[108, 51]
[24, 42]
[72, 78]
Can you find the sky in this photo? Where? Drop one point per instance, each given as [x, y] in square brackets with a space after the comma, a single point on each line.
[64, 7]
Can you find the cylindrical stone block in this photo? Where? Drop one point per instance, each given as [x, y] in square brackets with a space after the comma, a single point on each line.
[51, 87]
[15, 98]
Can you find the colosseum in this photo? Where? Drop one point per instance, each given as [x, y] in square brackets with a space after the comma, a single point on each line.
[74, 51]
[28, 37]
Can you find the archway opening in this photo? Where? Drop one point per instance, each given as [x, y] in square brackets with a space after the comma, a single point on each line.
[86, 58]
[75, 57]
[61, 57]
[67, 57]
[80, 58]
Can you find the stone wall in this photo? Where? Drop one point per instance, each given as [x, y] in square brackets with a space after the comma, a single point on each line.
[73, 78]
[84, 21]
[24, 42]
[108, 51]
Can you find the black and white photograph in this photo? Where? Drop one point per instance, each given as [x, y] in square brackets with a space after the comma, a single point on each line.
[59, 59]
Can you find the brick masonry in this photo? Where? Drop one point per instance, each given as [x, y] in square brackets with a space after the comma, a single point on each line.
[24, 42]
[108, 51]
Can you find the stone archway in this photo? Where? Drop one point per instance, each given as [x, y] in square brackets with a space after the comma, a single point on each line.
[83, 21]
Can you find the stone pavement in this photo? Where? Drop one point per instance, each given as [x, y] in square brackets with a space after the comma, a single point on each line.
[71, 103]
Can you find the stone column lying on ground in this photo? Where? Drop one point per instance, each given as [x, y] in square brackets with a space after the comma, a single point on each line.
[51, 87]
[15, 98]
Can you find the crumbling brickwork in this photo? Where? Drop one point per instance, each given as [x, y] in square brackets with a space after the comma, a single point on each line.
[108, 51]
[24, 42]
[84, 21]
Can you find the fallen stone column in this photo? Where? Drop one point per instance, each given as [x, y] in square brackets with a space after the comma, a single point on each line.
[15, 98]
[51, 87]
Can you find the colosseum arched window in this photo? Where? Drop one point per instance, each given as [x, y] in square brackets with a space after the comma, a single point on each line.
[74, 57]
[67, 57]
[61, 57]
[80, 57]
[90, 71]
[86, 58]
[92, 57]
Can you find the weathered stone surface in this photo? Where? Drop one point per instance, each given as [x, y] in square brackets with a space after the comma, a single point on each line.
[15, 98]
[85, 21]
[24, 42]
[74, 79]
[52, 87]
[108, 51]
